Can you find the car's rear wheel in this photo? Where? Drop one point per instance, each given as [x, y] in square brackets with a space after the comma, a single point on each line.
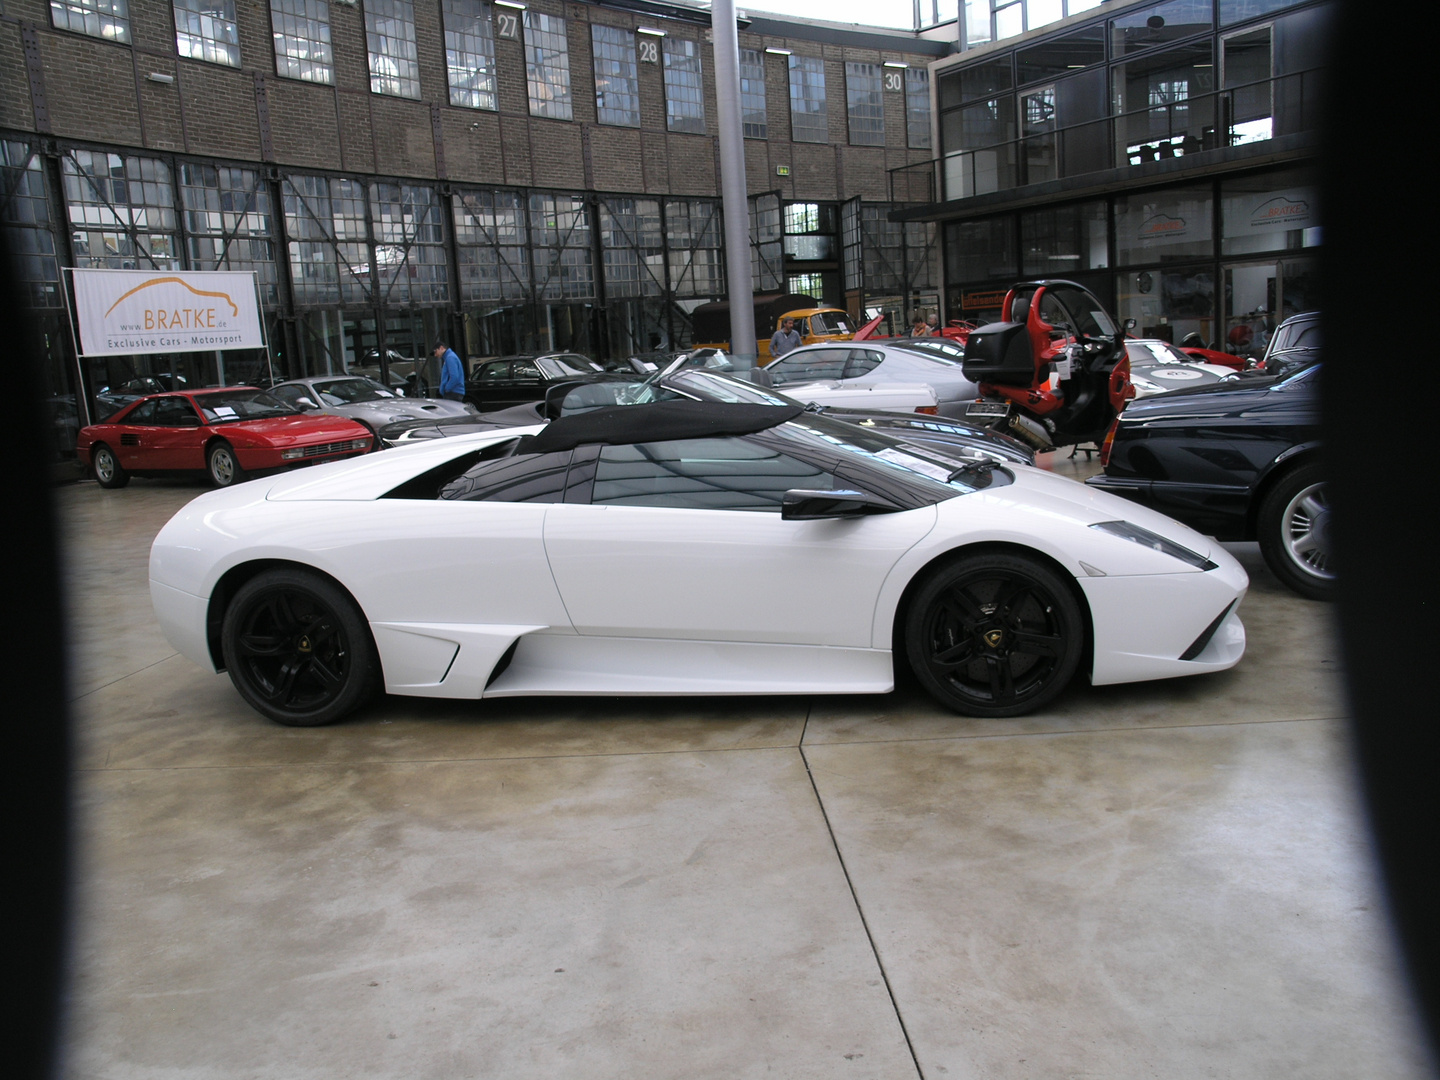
[109, 473]
[298, 649]
[223, 466]
[994, 635]
[1294, 528]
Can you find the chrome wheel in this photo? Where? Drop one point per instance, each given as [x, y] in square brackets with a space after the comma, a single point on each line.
[1305, 531]
[108, 471]
[223, 466]
[1293, 528]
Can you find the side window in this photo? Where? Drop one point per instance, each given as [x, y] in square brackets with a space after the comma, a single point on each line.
[142, 414]
[521, 478]
[1308, 337]
[809, 366]
[861, 362]
[289, 394]
[701, 474]
[525, 369]
[495, 372]
[171, 412]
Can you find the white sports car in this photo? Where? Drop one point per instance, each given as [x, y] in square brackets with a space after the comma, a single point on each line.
[684, 547]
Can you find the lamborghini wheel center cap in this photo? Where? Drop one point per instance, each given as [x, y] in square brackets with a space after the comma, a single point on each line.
[993, 637]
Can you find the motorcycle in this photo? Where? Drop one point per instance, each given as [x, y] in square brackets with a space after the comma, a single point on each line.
[1057, 373]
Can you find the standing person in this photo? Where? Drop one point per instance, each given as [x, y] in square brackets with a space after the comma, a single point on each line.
[452, 373]
[918, 327]
[784, 339]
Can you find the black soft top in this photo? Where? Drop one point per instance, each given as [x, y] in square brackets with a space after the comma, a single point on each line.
[656, 422]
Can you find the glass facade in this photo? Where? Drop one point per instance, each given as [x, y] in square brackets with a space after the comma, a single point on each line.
[26, 217]
[470, 54]
[302, 40]
[228, 222]
[1149, 84]
[617, 76]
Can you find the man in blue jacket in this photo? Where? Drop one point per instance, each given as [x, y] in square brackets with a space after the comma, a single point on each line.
[452, 373]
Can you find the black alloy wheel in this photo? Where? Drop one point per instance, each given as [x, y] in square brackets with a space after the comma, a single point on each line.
[223, 466]
[994, 635]
[109, 473]
[298, 649]
[1294, 532]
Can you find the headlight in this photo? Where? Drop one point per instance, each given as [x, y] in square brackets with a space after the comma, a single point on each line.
[1154, 541]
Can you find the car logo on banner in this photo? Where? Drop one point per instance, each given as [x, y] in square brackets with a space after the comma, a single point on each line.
[119, 312]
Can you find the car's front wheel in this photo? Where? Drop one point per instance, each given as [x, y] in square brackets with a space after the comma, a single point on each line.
[1294, 528]
[298, 649]
[223, 466]
[994, 634]
[109, 473]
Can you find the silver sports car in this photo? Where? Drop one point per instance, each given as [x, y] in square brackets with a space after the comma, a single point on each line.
[365, 400]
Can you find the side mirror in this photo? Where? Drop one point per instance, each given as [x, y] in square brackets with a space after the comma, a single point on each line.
[304, 403]
[800, 504]
[189, 421]
[1129, 324]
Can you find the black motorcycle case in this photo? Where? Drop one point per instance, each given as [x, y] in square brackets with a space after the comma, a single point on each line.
[1000, 353]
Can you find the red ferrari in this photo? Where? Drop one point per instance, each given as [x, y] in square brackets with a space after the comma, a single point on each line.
[226, 433]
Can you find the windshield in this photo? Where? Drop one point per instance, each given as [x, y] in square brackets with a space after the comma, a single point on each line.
[1155, 352]
[556, 368]
[231, 405]
[830, 322]
[710, 387]
[351, 391]
[925, 469]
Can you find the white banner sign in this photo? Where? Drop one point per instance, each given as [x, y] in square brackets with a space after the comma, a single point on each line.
[166, 311]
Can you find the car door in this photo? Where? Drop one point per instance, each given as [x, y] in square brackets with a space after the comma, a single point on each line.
[684, 540]
[175, 441]
[812, 365]
[488, 384]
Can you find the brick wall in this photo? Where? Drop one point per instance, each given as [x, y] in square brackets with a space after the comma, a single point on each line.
[98, 91]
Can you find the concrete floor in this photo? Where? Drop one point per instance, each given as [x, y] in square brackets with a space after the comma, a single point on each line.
[1161, 880]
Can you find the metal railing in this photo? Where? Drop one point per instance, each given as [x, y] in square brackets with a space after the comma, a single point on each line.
[1236, 116]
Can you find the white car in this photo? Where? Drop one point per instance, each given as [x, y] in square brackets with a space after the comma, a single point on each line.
[1157, 367]
[869, 397]
[684, 547]
[869, 363]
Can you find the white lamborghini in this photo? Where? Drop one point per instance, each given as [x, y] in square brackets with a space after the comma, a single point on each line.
[684, 547]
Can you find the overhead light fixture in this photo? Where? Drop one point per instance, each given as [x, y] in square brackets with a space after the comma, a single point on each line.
[510, 4]
[649, 30]
[156, 76]
[894, 64]
[778, 52]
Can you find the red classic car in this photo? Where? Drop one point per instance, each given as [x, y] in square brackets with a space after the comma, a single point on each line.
[226, 433]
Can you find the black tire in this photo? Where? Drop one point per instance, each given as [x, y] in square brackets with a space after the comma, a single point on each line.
[1294, 532]
[109, 473]
[994, 635]
[298, 649]
[223, 466]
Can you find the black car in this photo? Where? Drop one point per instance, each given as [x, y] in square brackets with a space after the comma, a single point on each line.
[515, 380]
[1294, 345]
[699, 384]
[1237, 461]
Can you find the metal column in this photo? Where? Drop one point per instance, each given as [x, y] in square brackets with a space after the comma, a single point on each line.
[732, 180]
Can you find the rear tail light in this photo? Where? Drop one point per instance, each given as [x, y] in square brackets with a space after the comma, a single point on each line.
[1108, 444]
[929, 410]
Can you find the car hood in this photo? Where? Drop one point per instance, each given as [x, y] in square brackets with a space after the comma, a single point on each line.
[389, 410]
[1040, 506]
[287, 430]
